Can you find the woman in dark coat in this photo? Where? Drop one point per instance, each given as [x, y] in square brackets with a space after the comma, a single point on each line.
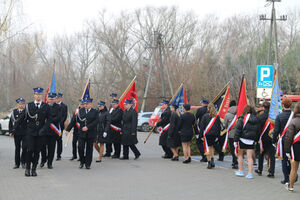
[210, 128]
[246, 134]
[173, 141]
[102, 129]
[186, 126]
[129, 132]
[292, 141]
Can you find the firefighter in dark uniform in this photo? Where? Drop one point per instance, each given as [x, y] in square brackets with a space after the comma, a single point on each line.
[199, 114]
[35, 114]
[116, 115]
[108, 145]
[75, 125]
[18, 133]
[162, 124]
[129, 131]
[64, 110]
[88, 120]
[52, 129]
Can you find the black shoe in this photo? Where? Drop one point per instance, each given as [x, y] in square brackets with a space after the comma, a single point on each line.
[33, 172]
[50, 166]
[175, 158]
[124, 158]
[137, 156]
[78, 159]
[115, 156]
[88, 167]
[221, 157]
[80, 166]
[204, 159]
[73, 158]
[98, 161]
[235, 166]
[271, 175]
[16, 167]
[167, 157]
[186, 161]
[209, 166]
[212, 162]
[259, 173]
[23, 165]
[58, 158]
[284, 182]
[189, 159]
[27, 172]
[106, 155]
[42, 165]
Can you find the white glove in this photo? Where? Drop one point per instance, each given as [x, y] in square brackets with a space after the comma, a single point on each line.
[197, 136]
[104, 134]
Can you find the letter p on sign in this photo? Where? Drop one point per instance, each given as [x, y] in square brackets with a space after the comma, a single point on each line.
[265, 73]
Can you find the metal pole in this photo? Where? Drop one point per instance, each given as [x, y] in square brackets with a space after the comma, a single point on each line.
[168, 71]
[270, 37]
[159, 43]
[148, 81]
[276, 41]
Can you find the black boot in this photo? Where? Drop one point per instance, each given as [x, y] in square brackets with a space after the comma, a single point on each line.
[27, 170]
[212, 162]
[16, 167]
[204, 159]
[106, 155]
[221, 157]
[259, 173]
[175, 158]
[50, 166]
[209, 165]
[23, 165]
[33, 171]
[42, 164]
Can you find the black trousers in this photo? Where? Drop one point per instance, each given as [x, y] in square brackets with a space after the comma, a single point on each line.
[34, 145]
[219, 144]
[85, 150]
[19, 144]
[48, 149]
[108, 147]
[133, 149]
[167, 151]
[268, 148]
[232, 151]
[201, 147]
[286, 166]
[74, 145]
[117, 147]
[59, 146]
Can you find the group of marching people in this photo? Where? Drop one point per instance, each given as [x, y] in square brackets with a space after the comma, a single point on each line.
[251, 135]
[38, 126]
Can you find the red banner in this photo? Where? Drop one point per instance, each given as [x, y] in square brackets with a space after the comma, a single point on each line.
[130, 94]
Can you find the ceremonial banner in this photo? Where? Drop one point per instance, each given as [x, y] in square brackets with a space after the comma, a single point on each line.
[222, 101]
[130, 93]
[179, 99]
[51, 87]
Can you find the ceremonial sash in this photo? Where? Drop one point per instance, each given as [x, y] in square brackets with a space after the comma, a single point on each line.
[265, 127]
[279, 150]
[296, 139]
[55, 129]
[229, 128]
[115, 128]
[207, 129]
[236, 144]
[165, 129]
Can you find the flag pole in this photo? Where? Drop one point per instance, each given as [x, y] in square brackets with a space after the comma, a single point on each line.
[151, 131]
[220, 93]
[130, 84]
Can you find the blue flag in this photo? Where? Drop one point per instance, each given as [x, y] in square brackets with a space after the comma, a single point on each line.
[179, 99]
[275, 107]
[86, 93]
[52, 87]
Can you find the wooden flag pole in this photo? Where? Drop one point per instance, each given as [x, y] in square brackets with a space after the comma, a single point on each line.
[130, 84]
[220, 93]
[151, 131]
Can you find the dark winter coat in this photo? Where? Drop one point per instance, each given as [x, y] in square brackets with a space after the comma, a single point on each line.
[173, 132]
[115, 119]
[250, 131]
[90, 120]
[280, 123]
[20, 130]
[293, 129]
[215, 129]
[186, 126]
[165, 120]
[199, 114]
[262, 120]
[129, 127]
[103, 126]
[64, 115]
[54, 117]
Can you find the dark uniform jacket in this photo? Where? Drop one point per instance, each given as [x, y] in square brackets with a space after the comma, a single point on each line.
[215, 129]
[115, 119]
[129, 127]
[199, 114]
[103, 125]
[262, 120]
[64, 115]
[174, 125]
[54, 117]
[21, 128]
[165, 120]
[90, 120]
[35, 118]
[186, 125]
[280, 123]
[72, 123]
[293, 129]
[250, 131]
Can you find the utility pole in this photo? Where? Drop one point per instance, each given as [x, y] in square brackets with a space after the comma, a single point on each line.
[273, 24]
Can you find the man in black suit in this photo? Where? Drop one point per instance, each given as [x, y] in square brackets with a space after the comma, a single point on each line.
[52, 129]
[19, 133]
[64, 115]
[35, 114]
[116, 114]
[88, 120]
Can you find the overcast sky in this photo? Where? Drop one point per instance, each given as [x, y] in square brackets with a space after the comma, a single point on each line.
[67, 16]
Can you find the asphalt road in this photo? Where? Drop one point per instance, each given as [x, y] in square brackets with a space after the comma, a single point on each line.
[150, 177]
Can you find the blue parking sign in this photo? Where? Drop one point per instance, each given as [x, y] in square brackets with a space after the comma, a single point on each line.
[264, 76]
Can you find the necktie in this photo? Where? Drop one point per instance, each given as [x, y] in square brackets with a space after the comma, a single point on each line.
[37, 105]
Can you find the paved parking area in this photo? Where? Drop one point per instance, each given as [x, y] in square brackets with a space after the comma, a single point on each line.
[150, 177]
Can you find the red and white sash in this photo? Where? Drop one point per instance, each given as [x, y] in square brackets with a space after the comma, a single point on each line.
[265, 127]
[55, 129]
[115, 128]
[229, 128]
[236, 144]
[207, 129]
[296, 139]
[279, 150]
[164, 129]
